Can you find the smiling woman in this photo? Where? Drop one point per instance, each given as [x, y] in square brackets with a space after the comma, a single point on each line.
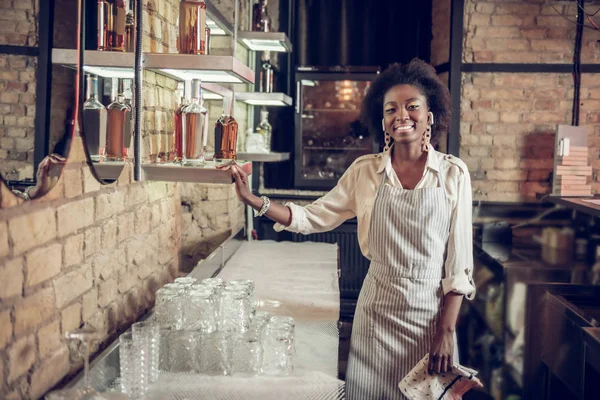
[414, 224]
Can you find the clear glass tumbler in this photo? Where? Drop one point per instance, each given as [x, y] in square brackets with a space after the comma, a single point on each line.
[235, 310]
[182, 350]
[150, 332]
[246, 357]
[169, 308]
[133, 358]
[214, 356]
[199, 310]
[278, 342]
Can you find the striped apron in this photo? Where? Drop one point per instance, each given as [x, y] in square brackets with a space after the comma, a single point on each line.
[400, 301]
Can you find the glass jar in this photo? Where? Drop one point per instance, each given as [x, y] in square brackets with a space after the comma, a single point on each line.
[235, 310]
[278, 343]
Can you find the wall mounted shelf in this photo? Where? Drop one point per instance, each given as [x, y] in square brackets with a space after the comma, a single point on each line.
[215, 69]
[264, 157]
[264, 99]
[266, 41]
[107, 64]
[109, 170]
[178, 173]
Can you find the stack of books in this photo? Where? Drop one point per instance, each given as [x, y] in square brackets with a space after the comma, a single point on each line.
[572, 172]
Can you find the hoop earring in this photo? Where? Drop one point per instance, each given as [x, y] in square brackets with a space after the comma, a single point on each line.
[387, 139]
[426, 142]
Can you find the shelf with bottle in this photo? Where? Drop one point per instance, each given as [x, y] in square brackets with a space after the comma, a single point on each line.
[215, 69]
[264, 157]
[264, 99]
[208, 173]
[101, 63]
[183, 156]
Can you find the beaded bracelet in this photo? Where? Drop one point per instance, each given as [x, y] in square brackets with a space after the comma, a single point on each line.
[264, 208]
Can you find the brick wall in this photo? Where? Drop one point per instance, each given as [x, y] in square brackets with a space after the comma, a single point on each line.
[508, 120]
[93, 255]
[17, 113]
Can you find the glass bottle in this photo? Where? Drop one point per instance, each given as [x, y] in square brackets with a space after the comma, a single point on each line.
[226, 130]
[118, 113]
[256, 15]
[192, 27]
[128, 99]
[119, 16]
[265, 129]
[177, 142]
[193, 120]
[94, 121]
[130, 27]
[207, 52]
[102, 24]
[266, 73]
[265, 20]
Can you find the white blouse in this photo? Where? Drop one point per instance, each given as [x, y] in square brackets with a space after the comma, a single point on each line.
[354, 195]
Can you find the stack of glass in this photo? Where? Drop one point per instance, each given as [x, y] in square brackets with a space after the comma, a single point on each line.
[212, 327]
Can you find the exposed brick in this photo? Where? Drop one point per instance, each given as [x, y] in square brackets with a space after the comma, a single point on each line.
[107, 292]
[73, 183]
[106, 263]
[125, 230]
[52, 370]
[21, 356]
[90, 183]
[74, 216]
[32, 229]
[49, 338]
[109, 234]
[73, 250]
[34, 310]
[109, 204]
[6, 328]
[11, 278]
[93, 240]
[43, 264]
[72, 285]
[89, 305]
[70, 318]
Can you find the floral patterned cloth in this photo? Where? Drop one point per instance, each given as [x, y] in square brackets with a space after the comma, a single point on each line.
[418, 384]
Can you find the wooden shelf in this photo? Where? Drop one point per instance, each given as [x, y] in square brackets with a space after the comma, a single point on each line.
[183, 173]
[578, 203]
[264, 157]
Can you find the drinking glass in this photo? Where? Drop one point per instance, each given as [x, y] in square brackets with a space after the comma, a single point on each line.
[246, 357]
[214, 355]
[150, 332]
[278, 350]
[133, 361]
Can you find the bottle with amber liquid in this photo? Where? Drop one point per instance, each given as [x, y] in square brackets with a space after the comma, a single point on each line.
[94, 121]
[226, 131]
[192, 27]
[117, 34]
[104, 9]
[194, 117]
[130, 27]
[118, 112]
[177, 142]
[128, 99]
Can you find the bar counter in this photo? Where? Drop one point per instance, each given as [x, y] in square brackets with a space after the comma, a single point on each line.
[294, 279]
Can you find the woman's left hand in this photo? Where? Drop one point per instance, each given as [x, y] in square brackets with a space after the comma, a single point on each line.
[441, 352]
